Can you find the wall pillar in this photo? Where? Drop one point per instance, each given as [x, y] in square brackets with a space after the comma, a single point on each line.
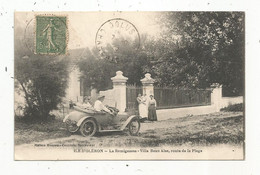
[216, 96]
[73, 90]
[148, 82]
[119, 87]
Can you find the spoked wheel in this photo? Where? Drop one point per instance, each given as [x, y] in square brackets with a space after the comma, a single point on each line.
[134, 127]
[88, 128]
[71, 126]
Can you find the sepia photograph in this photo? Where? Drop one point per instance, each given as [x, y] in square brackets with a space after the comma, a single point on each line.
[121, 85]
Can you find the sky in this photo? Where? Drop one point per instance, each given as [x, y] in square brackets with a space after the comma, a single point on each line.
[83, 26]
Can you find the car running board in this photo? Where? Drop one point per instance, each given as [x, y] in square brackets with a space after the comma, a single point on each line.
[110, 130]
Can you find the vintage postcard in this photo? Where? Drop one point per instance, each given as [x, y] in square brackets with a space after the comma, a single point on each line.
[129, 85]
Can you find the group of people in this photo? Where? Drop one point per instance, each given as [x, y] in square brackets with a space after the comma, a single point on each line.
[147, 107]
[98, 105]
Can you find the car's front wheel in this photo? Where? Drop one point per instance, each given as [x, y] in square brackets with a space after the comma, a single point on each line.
[88, 128]
[71, 126]
[134, 127]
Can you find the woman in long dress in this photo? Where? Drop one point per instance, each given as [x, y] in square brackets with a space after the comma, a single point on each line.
[142, 107]
[152, 116]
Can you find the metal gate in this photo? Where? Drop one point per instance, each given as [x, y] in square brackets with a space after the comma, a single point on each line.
[132, 92]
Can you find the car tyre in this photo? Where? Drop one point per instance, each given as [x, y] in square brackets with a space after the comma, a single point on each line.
[134, 127]
[71, 126]
[88, 128]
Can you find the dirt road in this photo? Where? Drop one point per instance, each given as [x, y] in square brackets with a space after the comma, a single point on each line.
[203, 130]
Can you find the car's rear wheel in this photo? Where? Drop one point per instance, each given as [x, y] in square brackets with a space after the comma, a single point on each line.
[72, 126]
[88, 128]
[134, 127]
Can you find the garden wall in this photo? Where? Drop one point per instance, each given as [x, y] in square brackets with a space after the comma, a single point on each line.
[164, 114]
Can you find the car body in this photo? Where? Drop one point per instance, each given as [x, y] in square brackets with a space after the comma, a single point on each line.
[89, 121]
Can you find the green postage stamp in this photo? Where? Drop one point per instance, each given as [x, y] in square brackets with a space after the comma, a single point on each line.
[51, 35]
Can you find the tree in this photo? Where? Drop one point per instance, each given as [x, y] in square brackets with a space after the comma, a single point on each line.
[42, 79]
[96, 72]
[120, 55]
[197, 49]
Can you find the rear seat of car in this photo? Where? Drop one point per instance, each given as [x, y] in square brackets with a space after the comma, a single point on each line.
[90, 111]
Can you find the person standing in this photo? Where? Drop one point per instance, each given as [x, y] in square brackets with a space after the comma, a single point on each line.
[152, 116]
[142, 107]
[146, 100]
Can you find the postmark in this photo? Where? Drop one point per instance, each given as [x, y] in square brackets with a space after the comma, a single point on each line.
[51, 34]
[113, 29]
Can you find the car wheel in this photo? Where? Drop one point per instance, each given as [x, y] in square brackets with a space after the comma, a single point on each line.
[88, 128]
[71, 126]
[134, 127]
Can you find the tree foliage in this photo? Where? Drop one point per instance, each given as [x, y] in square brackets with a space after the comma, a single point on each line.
[42, 79]
[197, 49]
[96, 72]
[120, 55]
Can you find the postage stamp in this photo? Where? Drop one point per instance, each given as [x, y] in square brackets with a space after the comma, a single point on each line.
[51, 34]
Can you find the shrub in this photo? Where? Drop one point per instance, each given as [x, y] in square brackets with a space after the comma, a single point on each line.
[233, 108]
[43, 81]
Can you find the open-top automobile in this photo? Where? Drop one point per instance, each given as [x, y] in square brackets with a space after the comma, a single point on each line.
[89, 121]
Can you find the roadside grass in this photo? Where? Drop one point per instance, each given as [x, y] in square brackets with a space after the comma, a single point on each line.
[234, 108]
[206, 131]
[31, 131]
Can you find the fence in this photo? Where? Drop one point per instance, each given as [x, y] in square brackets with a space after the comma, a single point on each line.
[125, 95]
[132, 92]
[170, 97]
